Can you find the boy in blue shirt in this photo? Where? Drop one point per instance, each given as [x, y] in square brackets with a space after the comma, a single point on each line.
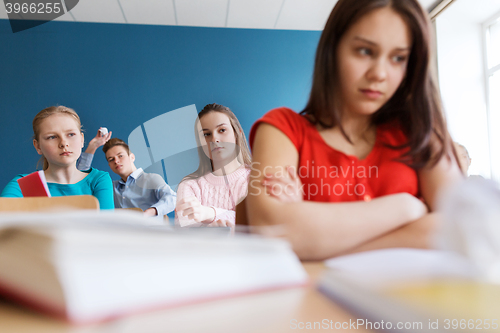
[135, 188]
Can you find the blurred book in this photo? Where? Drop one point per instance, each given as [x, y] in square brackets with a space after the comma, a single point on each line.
[34, 185]
[93, 266]
[406, 290]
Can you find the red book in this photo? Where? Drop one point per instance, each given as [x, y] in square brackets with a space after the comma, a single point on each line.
[34, 185]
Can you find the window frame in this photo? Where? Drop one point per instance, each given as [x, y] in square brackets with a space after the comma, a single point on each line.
[488, 72]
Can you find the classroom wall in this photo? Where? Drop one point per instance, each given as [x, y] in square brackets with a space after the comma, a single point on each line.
[120, 76]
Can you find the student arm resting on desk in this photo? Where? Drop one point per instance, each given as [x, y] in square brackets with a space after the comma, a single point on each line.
[320, 230]
[401, 215]
[196, 205]
[164, 195]
[418, 234]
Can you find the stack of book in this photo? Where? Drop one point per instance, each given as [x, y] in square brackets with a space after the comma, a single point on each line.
[92, 266]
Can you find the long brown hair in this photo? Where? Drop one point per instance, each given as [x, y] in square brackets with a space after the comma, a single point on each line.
[206, 166]
[44, 114]
[416, 104]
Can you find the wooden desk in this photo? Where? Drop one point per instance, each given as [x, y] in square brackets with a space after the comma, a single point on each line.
[270, 312]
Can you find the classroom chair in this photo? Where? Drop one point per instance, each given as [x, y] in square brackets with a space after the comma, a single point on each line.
[241, 213]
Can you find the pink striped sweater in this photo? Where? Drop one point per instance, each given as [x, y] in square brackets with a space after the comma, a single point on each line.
[215, 192]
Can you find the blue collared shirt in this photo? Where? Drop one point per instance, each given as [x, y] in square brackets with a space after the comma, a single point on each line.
[85, 161]
[144, 190]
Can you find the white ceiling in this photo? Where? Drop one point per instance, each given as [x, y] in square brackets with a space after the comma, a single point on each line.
[468, 11]
[254, 14]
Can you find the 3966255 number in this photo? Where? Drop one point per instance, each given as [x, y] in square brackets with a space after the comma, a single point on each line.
[33, 8]
[471, 324]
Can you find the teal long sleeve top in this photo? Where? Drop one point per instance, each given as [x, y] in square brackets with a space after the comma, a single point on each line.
[96, 183]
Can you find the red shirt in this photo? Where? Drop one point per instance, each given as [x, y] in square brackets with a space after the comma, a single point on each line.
[329, 175]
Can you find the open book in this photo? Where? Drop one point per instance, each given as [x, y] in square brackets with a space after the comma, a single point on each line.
[407, 290]
[34, 185]
[92, 266]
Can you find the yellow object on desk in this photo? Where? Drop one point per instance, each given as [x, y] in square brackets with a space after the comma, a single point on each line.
[405, 290]
[457, 301]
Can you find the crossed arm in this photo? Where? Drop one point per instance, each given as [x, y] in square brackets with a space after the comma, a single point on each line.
[321, 230]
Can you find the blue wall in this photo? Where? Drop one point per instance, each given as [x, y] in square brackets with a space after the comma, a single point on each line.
[120, 76]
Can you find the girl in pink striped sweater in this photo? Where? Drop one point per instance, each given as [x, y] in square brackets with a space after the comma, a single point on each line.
[209, 195]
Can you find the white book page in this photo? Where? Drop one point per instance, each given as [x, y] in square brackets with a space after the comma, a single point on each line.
[387, 266]
[44, 182]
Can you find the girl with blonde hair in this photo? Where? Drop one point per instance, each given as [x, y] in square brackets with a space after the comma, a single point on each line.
[58, 138]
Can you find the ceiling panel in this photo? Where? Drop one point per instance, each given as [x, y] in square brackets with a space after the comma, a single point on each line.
[3, 12]
[259, 14]
[203, 13]
[469, 12]
[305, 14]
[428, 4]
[149, 11]
[98, 11]
[66, 17]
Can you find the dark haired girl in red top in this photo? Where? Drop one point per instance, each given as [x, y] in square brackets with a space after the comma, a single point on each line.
[370, 151]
